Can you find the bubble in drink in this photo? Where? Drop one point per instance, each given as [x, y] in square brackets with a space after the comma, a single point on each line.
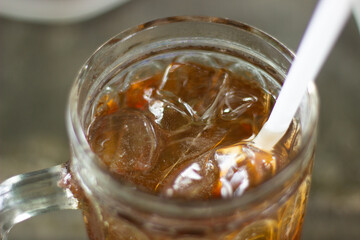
[180, 132]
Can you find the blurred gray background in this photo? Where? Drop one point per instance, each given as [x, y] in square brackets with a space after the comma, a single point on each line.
[38, 63]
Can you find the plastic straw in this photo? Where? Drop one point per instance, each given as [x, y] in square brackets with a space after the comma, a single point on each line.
[325, 26]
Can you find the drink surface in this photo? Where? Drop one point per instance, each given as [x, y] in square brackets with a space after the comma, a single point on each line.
[180, 126]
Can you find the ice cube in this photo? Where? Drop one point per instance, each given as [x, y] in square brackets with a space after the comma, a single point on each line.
[245, 101]
[198, 139]
[198, 86]
[241, 167]
[169, 112]
[186, 145]
[236, 103]
[194, 179]
[139, 92]
[108, 102]
[125, 140]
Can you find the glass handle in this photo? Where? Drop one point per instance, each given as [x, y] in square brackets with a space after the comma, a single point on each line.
[30, 194]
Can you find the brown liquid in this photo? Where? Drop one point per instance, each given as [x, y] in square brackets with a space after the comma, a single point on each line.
[180, 132]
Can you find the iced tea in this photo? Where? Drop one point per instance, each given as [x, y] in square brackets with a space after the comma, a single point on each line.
[180, 126]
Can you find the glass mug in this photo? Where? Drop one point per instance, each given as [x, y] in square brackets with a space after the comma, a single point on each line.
[273, 210]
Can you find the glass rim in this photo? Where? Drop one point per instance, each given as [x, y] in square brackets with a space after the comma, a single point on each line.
[165, 206]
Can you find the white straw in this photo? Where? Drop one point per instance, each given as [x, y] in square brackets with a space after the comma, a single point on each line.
[325, 26]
